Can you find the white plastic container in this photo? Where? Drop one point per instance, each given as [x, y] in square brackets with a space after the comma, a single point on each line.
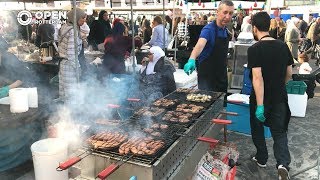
[183, 80]
[18, 100]
[33, 97]
[298, 104]
[46, 155]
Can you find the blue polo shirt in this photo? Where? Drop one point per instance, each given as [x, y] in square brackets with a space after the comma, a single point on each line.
[209, 33]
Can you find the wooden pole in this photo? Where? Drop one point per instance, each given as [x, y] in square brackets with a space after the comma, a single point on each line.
[75, 30]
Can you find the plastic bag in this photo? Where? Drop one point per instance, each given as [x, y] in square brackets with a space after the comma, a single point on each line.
[210, 169]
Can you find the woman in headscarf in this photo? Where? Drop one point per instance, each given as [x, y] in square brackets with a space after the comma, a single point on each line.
[99, 29]
[68, 75]
[157, 78]
[292, 37]
[117, 45]
[246, 24]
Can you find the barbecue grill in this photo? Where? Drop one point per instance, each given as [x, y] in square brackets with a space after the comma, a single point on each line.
[176, 159]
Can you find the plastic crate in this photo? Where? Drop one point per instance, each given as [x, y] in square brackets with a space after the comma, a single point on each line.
[241, 123]
[296, 87]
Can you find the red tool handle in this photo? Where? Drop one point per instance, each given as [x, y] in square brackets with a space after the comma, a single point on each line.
[133, 99]
[213, 142]
[221, 121]
[107, 171]
[113, 106]
[207, 139]
[65, 165]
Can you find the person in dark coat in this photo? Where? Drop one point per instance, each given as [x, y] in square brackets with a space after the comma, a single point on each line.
[302, 26]
[157, 78]
[99, 30]
[147, 31]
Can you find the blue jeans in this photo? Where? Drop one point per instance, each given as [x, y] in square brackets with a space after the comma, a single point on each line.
[277, 118]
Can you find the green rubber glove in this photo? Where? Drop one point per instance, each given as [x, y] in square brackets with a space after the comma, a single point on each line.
[4, 91]
[190, 66]
[260, 113]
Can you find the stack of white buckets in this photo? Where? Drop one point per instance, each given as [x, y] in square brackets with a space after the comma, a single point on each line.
[46, 153]
[22, 98]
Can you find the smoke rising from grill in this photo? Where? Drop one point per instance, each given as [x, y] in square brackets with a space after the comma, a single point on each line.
[89, 103]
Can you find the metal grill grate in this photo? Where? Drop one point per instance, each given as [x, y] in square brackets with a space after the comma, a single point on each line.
[169, 136]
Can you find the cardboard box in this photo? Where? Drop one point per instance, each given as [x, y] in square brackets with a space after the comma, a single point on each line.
[241, 123]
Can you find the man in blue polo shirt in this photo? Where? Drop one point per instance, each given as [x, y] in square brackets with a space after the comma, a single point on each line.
[211, 50]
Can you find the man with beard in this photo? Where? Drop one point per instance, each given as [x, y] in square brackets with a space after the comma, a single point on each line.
[270, 62]
[212, 49]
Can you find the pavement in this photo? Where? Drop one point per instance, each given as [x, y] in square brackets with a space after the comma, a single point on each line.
[304, 146]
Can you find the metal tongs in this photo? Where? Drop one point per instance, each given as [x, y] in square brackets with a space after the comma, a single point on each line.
[117, 107]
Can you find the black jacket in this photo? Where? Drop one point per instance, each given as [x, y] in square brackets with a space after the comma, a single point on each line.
[99, 30]
[163, 79]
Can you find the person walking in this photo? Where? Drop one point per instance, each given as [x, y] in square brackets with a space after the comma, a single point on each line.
[292, 37]
[270, 62]
[211, 51]
[160, 35]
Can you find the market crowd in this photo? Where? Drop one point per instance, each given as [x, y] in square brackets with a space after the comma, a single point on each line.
[117, 37]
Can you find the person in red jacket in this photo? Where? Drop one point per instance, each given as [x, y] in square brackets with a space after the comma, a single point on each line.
[116, 47]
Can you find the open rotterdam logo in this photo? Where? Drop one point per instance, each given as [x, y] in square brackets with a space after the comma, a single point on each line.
[41, 17]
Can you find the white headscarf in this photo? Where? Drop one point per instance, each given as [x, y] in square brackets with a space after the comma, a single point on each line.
[246, 25]
[292, 23]
[157, 54]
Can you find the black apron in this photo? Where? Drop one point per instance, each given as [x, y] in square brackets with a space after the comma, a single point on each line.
[212, 71]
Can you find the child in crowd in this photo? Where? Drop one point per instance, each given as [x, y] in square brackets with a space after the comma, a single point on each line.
[304, 67]
[4, 91]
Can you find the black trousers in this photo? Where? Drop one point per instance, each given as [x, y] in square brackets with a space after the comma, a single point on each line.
[277, 118]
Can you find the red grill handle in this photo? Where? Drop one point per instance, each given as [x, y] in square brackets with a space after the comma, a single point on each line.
[133, 99]
[113, 106]
[222, 121]
[107, 171]
[213, 142]
[70, 162]
[208, 140]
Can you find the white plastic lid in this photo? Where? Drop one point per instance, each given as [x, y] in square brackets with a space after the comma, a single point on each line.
[49, 146]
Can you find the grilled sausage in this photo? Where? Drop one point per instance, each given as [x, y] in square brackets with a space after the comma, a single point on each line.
[134, 150]
[163, 126]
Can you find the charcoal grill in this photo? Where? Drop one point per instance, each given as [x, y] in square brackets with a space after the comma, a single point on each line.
[177, 159]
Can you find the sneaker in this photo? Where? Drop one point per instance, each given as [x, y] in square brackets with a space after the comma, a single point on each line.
[259, 164]
[283, 173]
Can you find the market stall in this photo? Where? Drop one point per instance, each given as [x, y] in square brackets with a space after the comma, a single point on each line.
[175, 158]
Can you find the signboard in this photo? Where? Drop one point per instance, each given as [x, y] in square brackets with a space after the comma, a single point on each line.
[99, 3]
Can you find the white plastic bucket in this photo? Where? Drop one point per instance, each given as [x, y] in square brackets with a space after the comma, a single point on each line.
[33, 97]
[46, 155]
[18, 100]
